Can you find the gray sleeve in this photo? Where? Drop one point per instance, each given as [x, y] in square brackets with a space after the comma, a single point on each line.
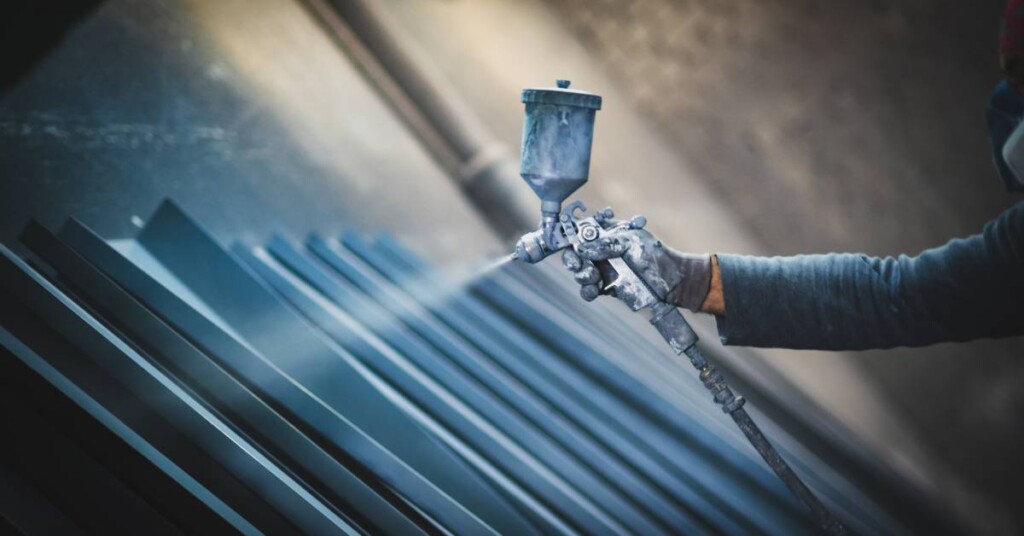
[967, 289]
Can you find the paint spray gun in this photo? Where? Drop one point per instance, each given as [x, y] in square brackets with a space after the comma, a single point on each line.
[558, 133]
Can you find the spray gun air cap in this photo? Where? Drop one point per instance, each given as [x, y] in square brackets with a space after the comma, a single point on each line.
[558, 132]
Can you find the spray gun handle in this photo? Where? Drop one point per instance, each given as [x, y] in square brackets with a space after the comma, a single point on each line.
[629, 287]
[620, 278]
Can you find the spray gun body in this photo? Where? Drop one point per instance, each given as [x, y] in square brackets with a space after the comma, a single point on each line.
[557, 137]
[558, 133]
[573, 231]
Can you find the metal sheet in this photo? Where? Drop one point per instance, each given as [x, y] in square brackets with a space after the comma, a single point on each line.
[537, 407]
[261, 424]
[475, 365]
[456, 424]
[315, 417]
[318, 364]
[109, 440]
[459, 373]
[468, 358]
[212, 450]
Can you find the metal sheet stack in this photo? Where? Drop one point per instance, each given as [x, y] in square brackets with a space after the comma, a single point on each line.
[168, 384]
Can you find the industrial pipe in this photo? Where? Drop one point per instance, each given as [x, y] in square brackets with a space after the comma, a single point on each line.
[432, 109]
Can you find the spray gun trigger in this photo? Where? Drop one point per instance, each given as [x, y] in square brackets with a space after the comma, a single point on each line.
[628, 286]
[609, 274]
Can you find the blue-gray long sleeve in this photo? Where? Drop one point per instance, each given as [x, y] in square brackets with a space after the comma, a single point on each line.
[969, 288]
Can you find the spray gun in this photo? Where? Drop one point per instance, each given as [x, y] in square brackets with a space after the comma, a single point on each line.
[558, 132]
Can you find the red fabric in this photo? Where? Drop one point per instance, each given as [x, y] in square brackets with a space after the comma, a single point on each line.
[1011, 35]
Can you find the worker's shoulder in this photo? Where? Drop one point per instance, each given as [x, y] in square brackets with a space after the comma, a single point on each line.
[1006, 99]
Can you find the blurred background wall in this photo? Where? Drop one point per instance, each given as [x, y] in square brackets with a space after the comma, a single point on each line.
[779, 127]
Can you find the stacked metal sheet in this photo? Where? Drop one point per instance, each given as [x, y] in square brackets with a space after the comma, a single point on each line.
[170, 384]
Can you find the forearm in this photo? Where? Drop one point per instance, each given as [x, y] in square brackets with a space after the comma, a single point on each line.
[966, 289]
[827, 302]
[714, 302]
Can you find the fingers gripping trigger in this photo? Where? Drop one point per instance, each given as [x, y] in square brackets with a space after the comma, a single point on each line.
[605, 248]
[571, 261]
[585, 273]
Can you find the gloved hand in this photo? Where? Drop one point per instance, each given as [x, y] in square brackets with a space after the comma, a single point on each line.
[678, 278]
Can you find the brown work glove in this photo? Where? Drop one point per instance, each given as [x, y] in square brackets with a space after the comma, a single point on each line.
[681, 279]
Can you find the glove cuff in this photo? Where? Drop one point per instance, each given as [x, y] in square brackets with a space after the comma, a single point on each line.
[693, 286]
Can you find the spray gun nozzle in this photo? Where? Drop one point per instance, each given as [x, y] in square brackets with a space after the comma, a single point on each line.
[531, 248]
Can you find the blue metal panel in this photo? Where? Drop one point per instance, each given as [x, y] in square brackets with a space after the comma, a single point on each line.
[498, 449]
[360, 391]
[209, 439]
[330, 428]
[262, 425]
[402, 330]
[320, 365]
[24, 509]
[724, 493]
[459, 371]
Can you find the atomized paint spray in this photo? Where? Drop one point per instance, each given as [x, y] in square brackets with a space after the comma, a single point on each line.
[558, 132]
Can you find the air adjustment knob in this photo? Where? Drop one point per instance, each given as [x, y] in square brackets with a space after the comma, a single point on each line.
[637, 222]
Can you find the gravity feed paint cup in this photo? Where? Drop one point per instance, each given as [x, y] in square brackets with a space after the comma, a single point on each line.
[558, 132]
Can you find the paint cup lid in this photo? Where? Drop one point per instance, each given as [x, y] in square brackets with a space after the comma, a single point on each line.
[562, 96]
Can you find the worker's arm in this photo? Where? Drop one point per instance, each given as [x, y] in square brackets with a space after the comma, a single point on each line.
[969, 288]
[714, 302]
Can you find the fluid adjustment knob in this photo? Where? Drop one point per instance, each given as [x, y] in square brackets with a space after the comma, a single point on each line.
[605, 215]
[588, 232]
[637, 222]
